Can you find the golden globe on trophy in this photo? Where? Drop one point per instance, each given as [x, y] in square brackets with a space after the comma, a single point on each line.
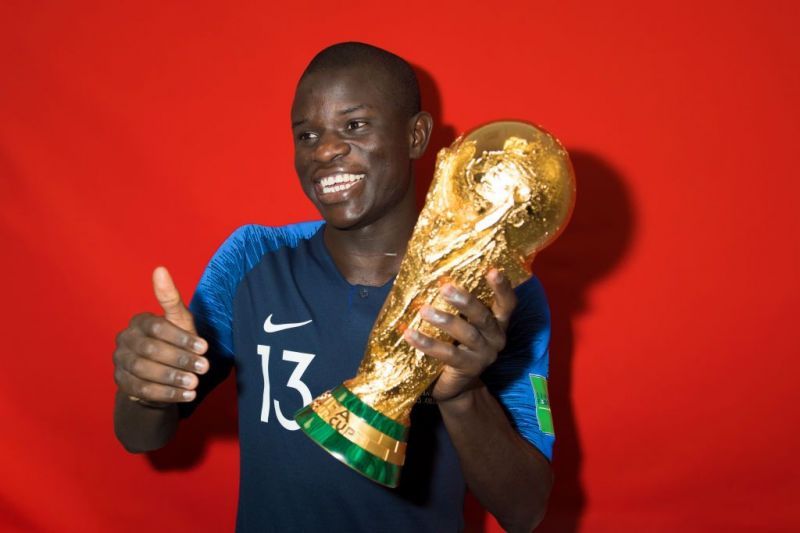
[499, 195]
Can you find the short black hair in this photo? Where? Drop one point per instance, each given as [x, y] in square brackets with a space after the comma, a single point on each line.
[403, 84]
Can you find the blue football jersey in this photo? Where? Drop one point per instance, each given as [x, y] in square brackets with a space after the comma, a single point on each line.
[273, 305]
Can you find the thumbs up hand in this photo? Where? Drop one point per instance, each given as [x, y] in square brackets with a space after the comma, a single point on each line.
[170, 301]
[157, 359]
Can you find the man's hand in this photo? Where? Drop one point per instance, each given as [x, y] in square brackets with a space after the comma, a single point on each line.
[480, 335]
[157, 359]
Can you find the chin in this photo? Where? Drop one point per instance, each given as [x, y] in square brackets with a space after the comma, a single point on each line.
[344, 221]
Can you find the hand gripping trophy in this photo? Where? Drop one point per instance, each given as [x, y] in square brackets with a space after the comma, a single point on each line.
[499, 195]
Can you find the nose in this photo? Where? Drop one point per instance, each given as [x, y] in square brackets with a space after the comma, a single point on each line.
[330, 147]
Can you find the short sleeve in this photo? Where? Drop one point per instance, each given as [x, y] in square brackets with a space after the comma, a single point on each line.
[213, 301]
[212, 304]
[212, 308]
[518, 378]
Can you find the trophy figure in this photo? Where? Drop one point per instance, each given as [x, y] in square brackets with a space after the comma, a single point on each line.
[499, 195]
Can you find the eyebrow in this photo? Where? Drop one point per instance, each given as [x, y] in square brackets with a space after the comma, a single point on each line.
[352, 109]
[346, 111]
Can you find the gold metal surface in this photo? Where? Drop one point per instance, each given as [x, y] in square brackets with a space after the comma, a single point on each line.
[499, 195]
[358, 431]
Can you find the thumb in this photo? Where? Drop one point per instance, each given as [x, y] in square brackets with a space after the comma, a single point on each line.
[170, 300]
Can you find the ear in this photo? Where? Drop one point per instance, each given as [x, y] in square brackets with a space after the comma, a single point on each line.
[420, 127]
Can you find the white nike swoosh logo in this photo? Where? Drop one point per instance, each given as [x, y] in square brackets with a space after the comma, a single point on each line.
[269, 327]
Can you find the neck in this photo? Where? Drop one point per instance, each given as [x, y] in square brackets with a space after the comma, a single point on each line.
[371, 255]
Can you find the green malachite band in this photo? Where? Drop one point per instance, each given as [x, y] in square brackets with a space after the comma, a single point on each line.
[350, 454]
[374, 418]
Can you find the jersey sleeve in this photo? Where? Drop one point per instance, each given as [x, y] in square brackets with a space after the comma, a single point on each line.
[212, 304]
[518, 379]
[213, 301]
[212, 308]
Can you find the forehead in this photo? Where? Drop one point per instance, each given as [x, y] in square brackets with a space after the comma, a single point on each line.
[340, 89]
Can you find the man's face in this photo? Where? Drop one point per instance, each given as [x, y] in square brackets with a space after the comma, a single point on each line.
[351, 146]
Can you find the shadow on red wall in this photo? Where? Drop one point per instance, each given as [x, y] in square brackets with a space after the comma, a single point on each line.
[441, 136]
[594, 243]
[216, 419]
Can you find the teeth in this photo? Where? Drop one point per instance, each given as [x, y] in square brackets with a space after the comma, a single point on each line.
[336, 179]
[337, 188]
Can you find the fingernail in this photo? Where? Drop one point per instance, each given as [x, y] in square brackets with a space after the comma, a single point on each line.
[188, 394]
[453, 295]
[498, 276]
[432, 315]
[199, 346]
[201, 365]
[417, 337]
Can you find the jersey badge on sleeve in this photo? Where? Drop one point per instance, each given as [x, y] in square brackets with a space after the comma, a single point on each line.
[542, 399]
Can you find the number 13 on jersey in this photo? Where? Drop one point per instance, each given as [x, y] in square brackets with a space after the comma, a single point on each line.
[302, 360]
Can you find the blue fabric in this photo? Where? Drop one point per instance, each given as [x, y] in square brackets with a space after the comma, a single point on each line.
[526, 353]
[273, 305]
[212, 304]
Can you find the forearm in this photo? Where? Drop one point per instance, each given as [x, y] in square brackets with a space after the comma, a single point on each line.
[141, 428]
[507, 475]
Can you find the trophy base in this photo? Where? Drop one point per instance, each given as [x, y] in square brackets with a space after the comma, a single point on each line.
[364, 439]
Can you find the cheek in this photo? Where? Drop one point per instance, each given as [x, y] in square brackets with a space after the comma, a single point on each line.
[383, 161]
[395, 167]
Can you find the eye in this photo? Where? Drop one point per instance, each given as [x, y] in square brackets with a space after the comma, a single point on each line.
[356, 124]
[307, 136]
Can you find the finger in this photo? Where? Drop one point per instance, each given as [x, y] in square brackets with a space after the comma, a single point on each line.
[505, 299]
[149, 391]
[458, 328]
[149, 370]
[168, 354]
[476, 313]
[160, 328]
[170, 300]
[462, 359]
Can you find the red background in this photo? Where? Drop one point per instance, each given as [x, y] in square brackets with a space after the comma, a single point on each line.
[143, 135]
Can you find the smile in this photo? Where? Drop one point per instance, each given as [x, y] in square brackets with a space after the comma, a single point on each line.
[339, 182]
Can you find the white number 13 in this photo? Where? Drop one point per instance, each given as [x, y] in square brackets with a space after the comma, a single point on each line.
[302, 360]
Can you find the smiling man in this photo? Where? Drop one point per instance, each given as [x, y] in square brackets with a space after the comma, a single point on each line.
[291, 309]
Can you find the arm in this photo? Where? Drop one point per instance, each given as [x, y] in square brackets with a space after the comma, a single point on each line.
[509, 476]
[143, 428]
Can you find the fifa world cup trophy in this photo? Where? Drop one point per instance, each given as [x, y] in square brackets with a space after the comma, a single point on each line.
[499, 195]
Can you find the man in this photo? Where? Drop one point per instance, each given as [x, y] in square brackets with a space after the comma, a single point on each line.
[291, 308]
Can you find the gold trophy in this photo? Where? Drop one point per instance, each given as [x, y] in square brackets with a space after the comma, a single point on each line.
[499, 195]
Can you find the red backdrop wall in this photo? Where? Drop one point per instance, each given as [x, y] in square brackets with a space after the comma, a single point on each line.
[143, 135]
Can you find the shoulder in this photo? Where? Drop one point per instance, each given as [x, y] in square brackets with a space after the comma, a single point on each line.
[256, 238]
[275, 235]
[249, 243]
[243, 250]
[212, 304]
[531, 303]
[530, 288]
[527, 340]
